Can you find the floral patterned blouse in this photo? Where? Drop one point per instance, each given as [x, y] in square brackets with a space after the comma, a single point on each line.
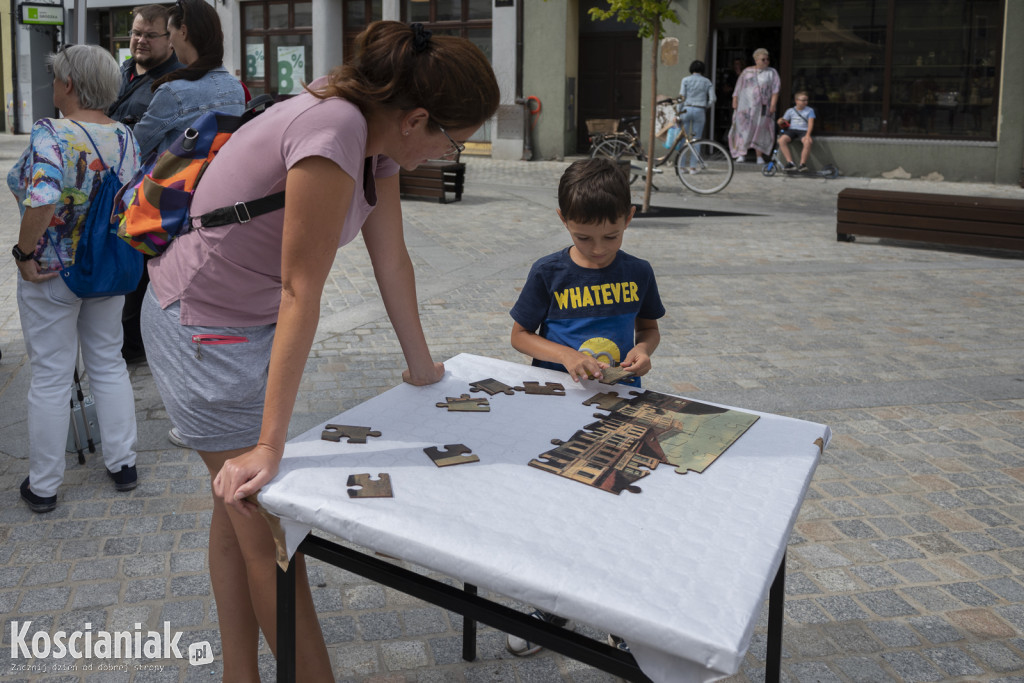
[61, 167]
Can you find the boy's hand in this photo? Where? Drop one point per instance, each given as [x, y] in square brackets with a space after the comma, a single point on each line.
[637, 362]
[580, 365]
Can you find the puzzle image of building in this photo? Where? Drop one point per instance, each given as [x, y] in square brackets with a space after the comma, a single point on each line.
[623, 447]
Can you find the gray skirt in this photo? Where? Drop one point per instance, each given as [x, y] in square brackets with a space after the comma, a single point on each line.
[212, 379]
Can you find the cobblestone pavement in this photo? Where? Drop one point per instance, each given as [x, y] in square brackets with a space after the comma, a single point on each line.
[907, 561]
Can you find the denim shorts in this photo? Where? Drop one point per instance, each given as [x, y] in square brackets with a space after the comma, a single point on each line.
[794, 134]
[212, 379]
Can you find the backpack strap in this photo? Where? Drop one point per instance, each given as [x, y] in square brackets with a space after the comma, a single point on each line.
[239, 212]
[97, 149]
[243, 212]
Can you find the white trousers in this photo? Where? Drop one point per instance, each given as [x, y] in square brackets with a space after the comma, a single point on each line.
[54, 321]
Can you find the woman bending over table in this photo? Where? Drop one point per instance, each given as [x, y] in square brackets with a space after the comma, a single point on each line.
[232, 310]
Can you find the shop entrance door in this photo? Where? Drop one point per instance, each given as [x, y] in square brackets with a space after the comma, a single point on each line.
[734, 47]
[610, 74]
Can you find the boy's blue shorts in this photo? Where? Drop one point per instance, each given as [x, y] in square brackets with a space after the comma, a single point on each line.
[794, 134]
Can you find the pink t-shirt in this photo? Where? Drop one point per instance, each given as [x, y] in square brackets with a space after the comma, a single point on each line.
[231, 275]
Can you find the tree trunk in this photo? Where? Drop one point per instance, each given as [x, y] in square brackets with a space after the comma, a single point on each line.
[654, 111]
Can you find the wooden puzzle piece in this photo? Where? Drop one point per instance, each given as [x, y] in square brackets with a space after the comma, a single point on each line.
[605, 400]
[466, 403]
[548, 388]
[454, 454]
[368, 487]
[614, 374]
[354, 434]
[492, 387]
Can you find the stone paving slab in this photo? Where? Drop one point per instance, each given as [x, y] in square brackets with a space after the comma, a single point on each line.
[907, 560]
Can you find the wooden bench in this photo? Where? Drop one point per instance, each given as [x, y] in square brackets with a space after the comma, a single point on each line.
[434, 179]
[987, 222]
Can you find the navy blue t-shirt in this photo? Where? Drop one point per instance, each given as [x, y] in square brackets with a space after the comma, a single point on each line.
[592, 310]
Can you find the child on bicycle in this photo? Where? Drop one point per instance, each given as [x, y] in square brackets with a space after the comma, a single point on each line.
[797, 124]
[589, 306]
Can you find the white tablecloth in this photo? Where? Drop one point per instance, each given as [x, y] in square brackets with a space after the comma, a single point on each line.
[680, 571]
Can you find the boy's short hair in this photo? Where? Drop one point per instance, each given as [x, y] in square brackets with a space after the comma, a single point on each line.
[592, 191]
[798, 93]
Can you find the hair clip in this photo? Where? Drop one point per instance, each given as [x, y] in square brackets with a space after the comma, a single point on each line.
[420, 38]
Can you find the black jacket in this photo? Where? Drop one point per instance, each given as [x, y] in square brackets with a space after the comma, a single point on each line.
[135, 94]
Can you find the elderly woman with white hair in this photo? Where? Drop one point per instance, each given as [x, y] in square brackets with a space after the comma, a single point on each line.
[54, 182]
[753, 103]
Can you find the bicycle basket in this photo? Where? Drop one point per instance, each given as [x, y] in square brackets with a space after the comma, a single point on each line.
[602, 126]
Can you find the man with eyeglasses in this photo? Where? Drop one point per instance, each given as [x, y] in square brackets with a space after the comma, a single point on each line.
[152, 57]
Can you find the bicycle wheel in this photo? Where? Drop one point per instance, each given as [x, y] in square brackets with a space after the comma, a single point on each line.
[770, 168]
[712, 163]
[617, 149]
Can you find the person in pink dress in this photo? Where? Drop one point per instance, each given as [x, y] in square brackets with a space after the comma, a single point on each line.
[753, 104]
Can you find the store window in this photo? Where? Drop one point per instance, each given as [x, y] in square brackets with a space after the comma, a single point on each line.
[278, 46]
[945, 65]
[913, 68]
[115, 28]
[469, 19]
[357, 15]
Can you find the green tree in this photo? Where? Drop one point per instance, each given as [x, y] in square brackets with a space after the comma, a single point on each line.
[650, 16]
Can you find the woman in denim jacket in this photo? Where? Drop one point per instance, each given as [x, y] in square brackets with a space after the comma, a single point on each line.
[204, 84]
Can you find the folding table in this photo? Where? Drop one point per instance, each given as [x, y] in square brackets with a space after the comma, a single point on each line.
[680, 570]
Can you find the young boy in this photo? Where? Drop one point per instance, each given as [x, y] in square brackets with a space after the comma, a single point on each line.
[590, 306]
[800, 120]
[594, 305]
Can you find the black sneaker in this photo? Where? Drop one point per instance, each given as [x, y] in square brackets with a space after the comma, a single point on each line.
[790, 166]
[37, 503]
[126, 479]
[802, 167]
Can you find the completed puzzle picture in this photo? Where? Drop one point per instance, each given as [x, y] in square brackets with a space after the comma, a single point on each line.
[621, 448]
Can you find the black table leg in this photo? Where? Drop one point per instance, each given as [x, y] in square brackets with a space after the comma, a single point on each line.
[475, 608]
[468, 629]
[286, 624]
[776, 607]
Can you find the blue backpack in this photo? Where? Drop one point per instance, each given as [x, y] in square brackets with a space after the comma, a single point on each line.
[105, 265]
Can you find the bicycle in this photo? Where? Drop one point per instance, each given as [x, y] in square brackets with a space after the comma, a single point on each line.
[712, 166]
[776, 163]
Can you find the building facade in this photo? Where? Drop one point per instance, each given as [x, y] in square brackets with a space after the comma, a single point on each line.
[914, 84]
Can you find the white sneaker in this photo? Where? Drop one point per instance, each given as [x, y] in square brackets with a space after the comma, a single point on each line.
[692, 171]
[760, 161]
[521, 647]
[174, 436]
[618, 643]
[740, 160]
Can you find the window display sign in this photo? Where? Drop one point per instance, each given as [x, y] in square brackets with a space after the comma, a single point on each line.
[291, 69]
[44, 15]
[254, 61]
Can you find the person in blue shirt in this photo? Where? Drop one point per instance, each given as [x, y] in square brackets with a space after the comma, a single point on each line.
[697, 93]
[797, 124]
[590, 306]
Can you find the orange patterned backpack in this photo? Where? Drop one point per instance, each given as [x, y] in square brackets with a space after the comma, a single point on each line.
[153, 208]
